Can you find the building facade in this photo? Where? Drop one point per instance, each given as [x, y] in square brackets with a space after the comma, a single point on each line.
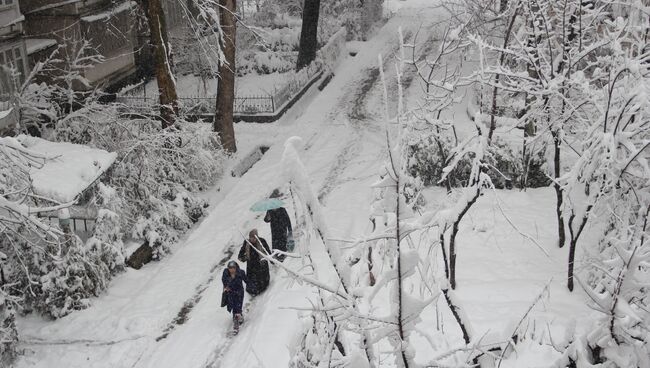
[13, 53]
[107, 24]
[13, 61]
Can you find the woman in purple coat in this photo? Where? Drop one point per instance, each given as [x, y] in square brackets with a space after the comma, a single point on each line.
[233, 279]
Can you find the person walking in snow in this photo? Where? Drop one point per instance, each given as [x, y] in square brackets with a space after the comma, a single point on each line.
[233, 292]
[257, 267]
[281, 231]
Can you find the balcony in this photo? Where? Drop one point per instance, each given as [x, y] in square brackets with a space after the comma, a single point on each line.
[62, 7]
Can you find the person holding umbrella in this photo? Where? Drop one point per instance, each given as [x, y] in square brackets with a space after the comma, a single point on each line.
[278, 218]
[257, 267]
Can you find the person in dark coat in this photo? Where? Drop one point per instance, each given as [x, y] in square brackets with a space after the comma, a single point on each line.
[233, 278]
[280, 229]
[257, 267]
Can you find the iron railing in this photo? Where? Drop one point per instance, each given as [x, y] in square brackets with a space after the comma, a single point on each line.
[136, 97]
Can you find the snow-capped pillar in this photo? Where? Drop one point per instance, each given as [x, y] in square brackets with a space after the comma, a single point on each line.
[64, 220]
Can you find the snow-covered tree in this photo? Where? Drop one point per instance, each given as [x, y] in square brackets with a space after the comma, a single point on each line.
[575, 67]
[156, 173]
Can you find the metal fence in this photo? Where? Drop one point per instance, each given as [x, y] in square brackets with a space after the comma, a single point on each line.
[295, 84]
[136, 97]
[202, 104]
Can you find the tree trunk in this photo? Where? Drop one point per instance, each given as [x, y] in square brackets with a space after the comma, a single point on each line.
[223, 119]
[558, 189]
[573, 244]
[444, 252]
[572, 257]
[163, 61]
[452, 238]
[400, 279]
[308, 34]
[495, 90]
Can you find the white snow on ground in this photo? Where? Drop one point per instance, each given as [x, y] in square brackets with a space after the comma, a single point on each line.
[69, 169]
[500, 272]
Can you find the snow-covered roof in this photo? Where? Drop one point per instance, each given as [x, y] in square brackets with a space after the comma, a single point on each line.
[69, 170]
[110, 12]
[37, 44]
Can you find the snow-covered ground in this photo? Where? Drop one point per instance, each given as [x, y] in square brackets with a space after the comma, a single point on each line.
[168, 314]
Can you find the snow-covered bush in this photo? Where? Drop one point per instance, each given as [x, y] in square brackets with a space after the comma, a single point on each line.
[43, 268]
[107, 234]
[356, 16]
[271, 46]
[264, 62]
[53, 90]
[429, 154]
[274, 15]
[617, 282]
[156, 173]
[64, 276]
[8, 332]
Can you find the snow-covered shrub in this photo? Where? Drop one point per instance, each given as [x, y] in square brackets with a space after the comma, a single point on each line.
[68, 275]
[276, 15]
[8, 333]
[107, 234]
[340, 13]
[55, 276]
[617, 282]
[56, 86]
[156, 173]
[167, 219]
[429, 154]
[312, 349]
[42, 267]
[263, 62]
[267, 49]
[511, 168]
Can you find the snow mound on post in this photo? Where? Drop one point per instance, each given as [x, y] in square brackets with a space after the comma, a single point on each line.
[69, 170]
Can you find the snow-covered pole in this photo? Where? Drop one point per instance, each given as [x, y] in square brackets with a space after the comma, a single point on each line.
[64, 220]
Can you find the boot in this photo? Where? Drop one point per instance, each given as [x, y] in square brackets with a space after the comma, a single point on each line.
[236, 322]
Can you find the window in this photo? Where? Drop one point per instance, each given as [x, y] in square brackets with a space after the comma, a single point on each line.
[6, 2]
[13, 63]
